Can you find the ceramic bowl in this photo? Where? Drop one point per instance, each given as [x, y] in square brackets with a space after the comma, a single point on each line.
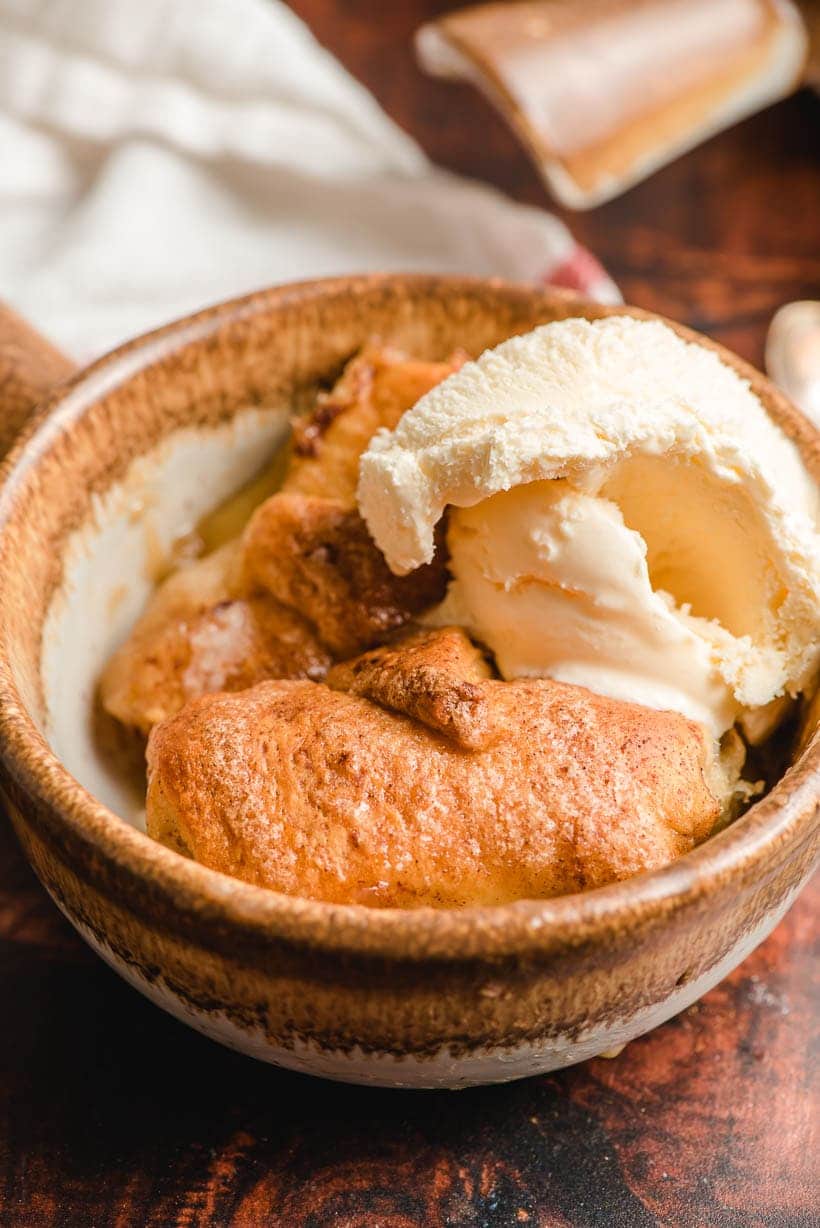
[117, 460]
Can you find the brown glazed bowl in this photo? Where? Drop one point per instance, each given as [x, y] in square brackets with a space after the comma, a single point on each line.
[116, 460]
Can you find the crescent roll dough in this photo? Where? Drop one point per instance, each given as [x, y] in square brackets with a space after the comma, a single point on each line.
[305, 583]
[423, 782]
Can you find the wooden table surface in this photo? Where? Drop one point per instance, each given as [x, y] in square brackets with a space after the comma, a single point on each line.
[113, 1114]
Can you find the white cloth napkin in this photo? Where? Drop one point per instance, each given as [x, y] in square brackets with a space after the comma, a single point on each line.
[158, 155]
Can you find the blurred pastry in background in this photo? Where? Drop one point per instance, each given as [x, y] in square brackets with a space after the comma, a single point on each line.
[605, 92]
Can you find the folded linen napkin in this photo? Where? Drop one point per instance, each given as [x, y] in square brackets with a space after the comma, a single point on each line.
[159, 155]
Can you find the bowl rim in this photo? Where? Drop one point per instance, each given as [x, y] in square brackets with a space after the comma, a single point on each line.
[743, 853]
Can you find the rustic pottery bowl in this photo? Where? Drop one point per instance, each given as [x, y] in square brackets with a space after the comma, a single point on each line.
[116, 461]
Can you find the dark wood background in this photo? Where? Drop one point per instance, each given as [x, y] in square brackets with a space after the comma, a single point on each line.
[113, 1115]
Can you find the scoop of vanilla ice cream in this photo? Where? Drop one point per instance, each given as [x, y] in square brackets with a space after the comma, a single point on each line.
[623, 515]
[554, 581]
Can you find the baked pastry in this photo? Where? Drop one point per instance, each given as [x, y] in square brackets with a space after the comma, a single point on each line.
[376, 387]
[564, 77]
[317, 556]
[431, 677]
[415, 779]
[304, 584]
[198, 636]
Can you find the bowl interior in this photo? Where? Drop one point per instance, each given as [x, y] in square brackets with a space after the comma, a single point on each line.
[126, 460]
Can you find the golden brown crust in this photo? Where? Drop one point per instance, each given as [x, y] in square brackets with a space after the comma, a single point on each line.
[374, 390]
[431, 676]
[306, 584]
[317, 556]
[322, 793]
[197, 636]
